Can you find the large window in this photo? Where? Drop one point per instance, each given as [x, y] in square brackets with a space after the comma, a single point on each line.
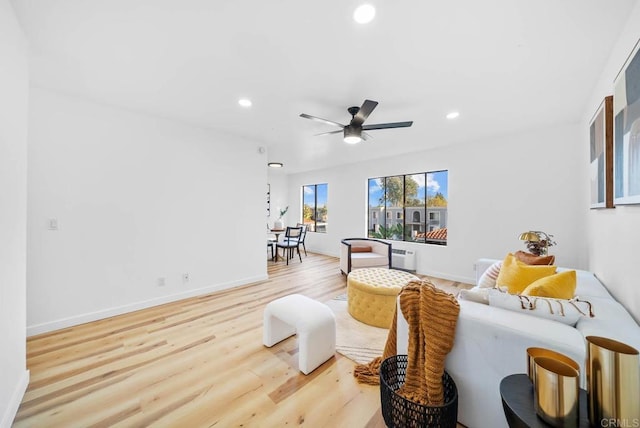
[314, 207]
[409, 207]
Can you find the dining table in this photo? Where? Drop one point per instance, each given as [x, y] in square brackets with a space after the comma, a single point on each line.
[277, 233]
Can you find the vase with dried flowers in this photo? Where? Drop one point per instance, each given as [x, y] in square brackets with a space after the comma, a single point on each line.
[279, 224]
[537, 242]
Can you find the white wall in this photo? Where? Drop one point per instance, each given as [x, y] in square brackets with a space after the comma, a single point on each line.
[136, 198]
[498, 188]
[14, 90]
[614, 234]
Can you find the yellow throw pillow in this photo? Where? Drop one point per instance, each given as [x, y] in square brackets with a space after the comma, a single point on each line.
[516, 276]
[559, 286]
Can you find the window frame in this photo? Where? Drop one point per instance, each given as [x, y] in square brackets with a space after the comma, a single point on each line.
[425, 221]
[314, 228]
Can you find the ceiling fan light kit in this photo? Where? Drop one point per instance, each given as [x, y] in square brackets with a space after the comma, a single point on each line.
[352, 135]
[364, 14]
[353, 132]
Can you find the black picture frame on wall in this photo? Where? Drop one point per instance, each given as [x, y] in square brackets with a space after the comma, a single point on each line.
[268, 200]
[626, 145]
[601, 148]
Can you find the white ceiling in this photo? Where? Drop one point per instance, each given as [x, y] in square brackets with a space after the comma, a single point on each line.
[506, 65]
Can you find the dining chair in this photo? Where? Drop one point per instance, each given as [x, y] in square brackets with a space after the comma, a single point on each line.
[270, 244]
[303, 236]
[290, 241]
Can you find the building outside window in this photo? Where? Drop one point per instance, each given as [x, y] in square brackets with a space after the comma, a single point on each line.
[314, 207]
[415, 207]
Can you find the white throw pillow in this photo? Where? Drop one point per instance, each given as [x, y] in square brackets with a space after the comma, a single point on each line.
[565, 311]
[475, 294]
[489, 276]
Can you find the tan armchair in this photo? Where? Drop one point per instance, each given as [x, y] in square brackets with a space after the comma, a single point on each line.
[356, 253]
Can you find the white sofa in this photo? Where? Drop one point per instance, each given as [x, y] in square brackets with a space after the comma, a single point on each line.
[491, 343]
[357, 253]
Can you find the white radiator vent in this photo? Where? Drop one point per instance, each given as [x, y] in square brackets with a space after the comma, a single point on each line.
[403, 259]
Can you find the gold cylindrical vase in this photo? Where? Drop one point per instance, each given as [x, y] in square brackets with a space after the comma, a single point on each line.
[534, 352]
[556, 392]
[613, 381]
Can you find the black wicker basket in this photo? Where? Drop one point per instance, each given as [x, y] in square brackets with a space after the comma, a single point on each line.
[399, 412]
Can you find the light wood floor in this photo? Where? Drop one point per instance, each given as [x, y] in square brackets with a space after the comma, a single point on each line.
[198, 362]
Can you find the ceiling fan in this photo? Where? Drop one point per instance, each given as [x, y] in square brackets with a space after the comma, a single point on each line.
[354, 131]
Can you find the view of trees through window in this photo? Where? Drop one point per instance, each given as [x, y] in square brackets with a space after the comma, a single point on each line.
[409, 207]
[314, 207]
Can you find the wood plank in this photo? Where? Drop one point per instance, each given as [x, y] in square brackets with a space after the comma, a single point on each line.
[197, 362]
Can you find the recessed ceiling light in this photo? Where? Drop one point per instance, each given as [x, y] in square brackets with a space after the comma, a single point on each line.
[453, 115]
[364, 14]
[245, 102]
[275, 164]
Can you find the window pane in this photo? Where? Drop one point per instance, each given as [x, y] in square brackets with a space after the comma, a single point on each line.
[376, 207]
[309, 207]
[321, 208]
[415, 198]
[437, 201]
[394, 202]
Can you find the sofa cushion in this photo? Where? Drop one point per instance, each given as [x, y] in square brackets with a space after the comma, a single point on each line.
[362, 260]
[361, 249]
[588, 285]
[561, 310]
[559, 286]
[612, 321]
[489, 276]
[516, 276]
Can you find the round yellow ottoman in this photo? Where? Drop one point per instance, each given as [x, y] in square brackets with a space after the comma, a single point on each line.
[372, 293]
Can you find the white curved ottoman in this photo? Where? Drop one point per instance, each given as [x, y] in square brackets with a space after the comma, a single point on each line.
[312, 321]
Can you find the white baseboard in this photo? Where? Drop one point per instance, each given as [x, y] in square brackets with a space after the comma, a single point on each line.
[16, 398]
[324, 253]
[119, 310]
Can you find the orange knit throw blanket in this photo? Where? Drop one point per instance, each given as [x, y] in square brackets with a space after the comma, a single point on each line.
[432, 315]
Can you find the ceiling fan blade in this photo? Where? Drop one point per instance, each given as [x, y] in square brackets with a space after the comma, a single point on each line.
[366, 136]
[387, 125]
[364, 112]
[329, 133]
[319, 119]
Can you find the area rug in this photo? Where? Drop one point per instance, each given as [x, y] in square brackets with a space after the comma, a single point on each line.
[355, 340]
[361, 342]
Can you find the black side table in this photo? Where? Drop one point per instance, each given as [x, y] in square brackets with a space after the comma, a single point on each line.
[517, 400]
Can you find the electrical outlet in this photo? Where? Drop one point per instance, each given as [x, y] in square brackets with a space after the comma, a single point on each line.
[161, 282]
[185, 278]
[53, 224]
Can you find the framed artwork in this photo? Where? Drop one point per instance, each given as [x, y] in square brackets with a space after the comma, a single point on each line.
[601, 144]
[268, 200]
[626, 134]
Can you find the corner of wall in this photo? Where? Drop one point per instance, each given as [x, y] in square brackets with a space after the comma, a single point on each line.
[16, 398]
